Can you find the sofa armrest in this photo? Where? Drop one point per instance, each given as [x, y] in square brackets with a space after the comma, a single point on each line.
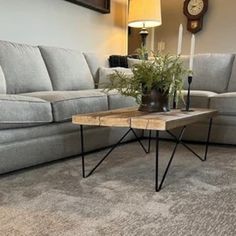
[225, 95]
[225, 103]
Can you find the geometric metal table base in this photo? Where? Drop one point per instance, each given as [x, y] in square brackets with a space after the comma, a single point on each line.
[178, 141]
[110, 151]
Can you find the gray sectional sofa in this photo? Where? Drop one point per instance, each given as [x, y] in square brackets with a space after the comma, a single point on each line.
[213, 87]
[42, 87]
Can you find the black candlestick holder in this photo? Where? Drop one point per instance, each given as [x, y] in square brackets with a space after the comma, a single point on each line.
[187, 108]
[174, 100]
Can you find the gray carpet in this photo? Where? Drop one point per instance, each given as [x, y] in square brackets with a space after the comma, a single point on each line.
[119, 199]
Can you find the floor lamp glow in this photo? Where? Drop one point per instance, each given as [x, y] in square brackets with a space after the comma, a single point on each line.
[144, 14]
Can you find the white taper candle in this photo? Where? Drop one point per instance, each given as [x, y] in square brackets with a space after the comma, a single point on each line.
[180, 40]
[192, 50]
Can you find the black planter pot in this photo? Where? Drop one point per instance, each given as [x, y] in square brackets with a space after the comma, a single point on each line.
[154, 101]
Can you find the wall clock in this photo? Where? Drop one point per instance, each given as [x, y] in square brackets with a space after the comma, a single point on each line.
[194, 10]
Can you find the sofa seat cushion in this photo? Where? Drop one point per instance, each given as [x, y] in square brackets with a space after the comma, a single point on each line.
[67, 68]
[116, 100]
[24, 68]
[65, 104]
[225, 103]
[211, 71]
[20, 111]
[199, 99]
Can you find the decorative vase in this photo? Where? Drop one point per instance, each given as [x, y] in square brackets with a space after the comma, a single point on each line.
[154, 101]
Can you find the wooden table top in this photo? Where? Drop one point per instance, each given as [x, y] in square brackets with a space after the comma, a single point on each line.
[131, 117]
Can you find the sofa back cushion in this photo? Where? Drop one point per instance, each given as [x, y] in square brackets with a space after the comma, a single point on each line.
[211, 72]
[95, 61]
[133, 61]
[3, 88]
[24, 68]
[232, 80]
[105, 74]
[68, 69]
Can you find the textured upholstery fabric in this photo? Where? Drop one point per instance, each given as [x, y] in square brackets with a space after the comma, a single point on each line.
[94, 62]
[5, 126]
[225, 103]
[220, 133]
[18, 111]
[49, 146]
[116, 100]
[225, 120]
[3, 88]
[199, 99]
[68, 69]
[65, 104]
[25, 134]
[133, 61]
[104, 74]
[24, 68]
[211, 71]
[232, 81]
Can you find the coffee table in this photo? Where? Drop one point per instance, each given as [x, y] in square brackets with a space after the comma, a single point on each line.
[133, 119]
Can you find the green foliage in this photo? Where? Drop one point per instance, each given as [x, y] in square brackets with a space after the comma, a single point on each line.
[165, 72]
[142, 53]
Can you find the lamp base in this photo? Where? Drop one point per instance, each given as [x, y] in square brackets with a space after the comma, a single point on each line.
[144, 34]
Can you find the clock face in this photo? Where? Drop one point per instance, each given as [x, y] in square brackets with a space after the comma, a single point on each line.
[195, 7]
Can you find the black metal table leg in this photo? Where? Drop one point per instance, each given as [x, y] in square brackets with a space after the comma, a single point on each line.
[177, 139]
[158, 188]
[157, 161]
[208, 139]
[190, 149]
[82, 149]
[141, 144]
[109, 152]
[100, 162]
[149, 140]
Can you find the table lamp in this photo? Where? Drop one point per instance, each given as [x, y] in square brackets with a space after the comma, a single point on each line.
[144, 14]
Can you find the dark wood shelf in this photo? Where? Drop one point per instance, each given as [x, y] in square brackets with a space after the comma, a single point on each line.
[102, 6]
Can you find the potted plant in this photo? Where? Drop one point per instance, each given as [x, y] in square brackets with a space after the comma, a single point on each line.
[153, 81]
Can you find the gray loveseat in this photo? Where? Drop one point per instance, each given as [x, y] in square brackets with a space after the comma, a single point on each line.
[42, 87]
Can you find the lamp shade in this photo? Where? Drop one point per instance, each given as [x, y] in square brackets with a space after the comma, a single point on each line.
[144, 13]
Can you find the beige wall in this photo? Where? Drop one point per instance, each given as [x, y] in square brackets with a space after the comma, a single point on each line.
[63, 24]
[219, 30]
